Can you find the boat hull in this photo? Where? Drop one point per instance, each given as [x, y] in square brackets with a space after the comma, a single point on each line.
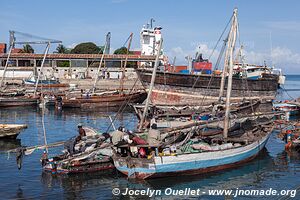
[12, 102]
[86, 168]
[10, 131]
[193, 163]
[104, 101]
[186, 89]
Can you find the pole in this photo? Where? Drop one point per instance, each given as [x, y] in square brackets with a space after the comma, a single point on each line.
[225, 69]
[229, 87]
[6, 64]
[151, 84]
[99, 67]
[125, 63]
[42, 66]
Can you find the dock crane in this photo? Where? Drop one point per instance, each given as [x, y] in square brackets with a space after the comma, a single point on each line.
[37, 40]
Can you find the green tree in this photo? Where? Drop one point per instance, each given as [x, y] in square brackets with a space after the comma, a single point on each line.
[27, 48]
[61, 49]
[86, 48]
[122, 50]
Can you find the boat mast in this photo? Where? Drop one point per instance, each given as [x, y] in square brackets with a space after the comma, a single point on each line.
[11, 46]
[125, 63]
[231, 45]
[225, 69]
[99, 67]
[151, 84]
[42, 66]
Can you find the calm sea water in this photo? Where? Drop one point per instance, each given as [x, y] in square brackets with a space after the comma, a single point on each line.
[273, 168]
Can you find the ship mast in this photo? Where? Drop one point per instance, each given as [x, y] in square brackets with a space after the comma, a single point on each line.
[151, 84]
[225, 69]
[231, 45]
[99, 67]
[125, 63]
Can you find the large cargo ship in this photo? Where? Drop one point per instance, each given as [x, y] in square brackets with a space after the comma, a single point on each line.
[192, 89]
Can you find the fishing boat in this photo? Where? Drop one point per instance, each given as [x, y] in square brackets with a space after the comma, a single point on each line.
[290, 108]
[11, 131]
[117, 98]
[202, 158]
[47, 83]
[91, 154]
[19, 101]
[103, 101]
[161, 111]
[187, 150]
[290, 134]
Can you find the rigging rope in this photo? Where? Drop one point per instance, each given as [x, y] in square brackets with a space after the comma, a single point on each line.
[123, 106]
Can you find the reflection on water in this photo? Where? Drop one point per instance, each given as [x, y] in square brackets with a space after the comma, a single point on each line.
[9, 144]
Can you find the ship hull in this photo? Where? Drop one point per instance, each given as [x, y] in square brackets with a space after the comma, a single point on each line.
[185, 89]
[189, 164]
[104, 101]
[12, 102]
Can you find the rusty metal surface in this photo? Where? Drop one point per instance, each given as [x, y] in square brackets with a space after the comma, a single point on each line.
[182, 89]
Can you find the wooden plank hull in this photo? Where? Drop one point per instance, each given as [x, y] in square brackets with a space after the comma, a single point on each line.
[186, 89]
[112, 100]
[21, 101]
[94, 166]
[193, 163]
[11, 131]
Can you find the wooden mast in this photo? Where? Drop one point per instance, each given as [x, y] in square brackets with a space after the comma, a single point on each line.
[231, 46]
[151, 84]
[125, 63]
[99, 67]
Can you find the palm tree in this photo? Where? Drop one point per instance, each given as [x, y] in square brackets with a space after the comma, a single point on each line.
[27, 49]
[61, 49]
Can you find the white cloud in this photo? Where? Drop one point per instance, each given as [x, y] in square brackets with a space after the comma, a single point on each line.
[71, 46]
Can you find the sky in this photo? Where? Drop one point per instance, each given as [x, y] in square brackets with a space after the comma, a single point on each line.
[269, 29]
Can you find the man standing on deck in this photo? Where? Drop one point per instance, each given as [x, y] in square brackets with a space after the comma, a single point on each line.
[154, 136]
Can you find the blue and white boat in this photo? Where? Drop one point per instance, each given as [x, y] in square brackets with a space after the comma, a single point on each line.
[32, 81]
[212, 158]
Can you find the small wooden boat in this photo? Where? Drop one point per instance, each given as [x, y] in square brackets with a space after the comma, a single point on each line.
[290, 134]
[19, 101]
[188, 154]
[11, 130]
[104, 101]
[244, 107]
[92, 154]
[48, 83]
[290, 108]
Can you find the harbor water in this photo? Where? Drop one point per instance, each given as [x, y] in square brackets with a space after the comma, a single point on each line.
[273, 168]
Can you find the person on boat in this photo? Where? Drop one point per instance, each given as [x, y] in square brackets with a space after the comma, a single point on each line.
[117, 137]
[154, 135]
[81, 132]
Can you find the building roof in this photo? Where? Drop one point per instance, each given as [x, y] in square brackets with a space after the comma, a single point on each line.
[112, 57]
